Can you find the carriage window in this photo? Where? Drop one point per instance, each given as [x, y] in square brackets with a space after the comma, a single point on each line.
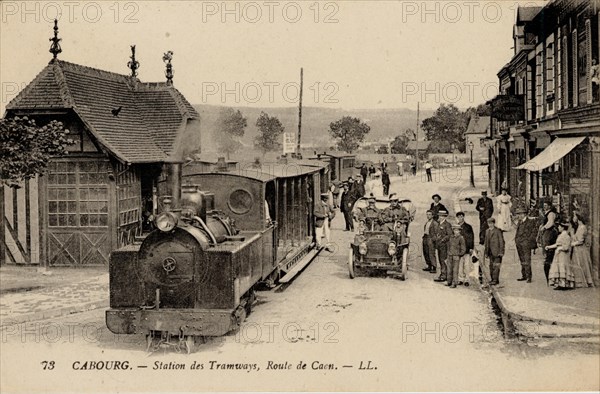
[240, 201]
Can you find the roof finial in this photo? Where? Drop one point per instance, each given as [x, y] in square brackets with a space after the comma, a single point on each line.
[133, 64]
[167, 57]
[55, 47]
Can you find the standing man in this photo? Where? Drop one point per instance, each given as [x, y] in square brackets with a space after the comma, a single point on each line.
[322, 213]
[372, 170]
[364, 172]
[359, 189]
[428, 168]
[549, 235]
[494, 249]
[430, 231]
[441, 243]
[485, 207]
[385, 181]
[437, 206]
[346, 207]
[464, 266]
[525, 241]
[456, 250]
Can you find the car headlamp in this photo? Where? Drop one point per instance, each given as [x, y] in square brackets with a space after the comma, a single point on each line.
[166, 221]
[362, 248]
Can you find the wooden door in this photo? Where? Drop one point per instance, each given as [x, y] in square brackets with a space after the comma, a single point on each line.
[78, 224]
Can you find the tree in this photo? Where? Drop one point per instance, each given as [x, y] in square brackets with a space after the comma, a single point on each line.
[349, 133]
[447, 124]
[270, 130]
[440, 147]
[382, 150]
[400, 144]
[230, 128]
[26, 148]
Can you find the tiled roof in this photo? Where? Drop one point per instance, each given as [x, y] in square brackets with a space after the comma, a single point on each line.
[422, 145]
[478, 125]
[151, 115]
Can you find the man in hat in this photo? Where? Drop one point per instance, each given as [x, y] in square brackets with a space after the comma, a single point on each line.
[346, 206]
[437, 206]
[456, 250]
[465, 263]
[385, 181]
[395, 212]
[485, 207]
[549, 234]
[322, 214]
[441, 243]
[359, 189]
[525, 241]
[364, 171]
[428, 168]
[494, 249]
[370, 215]
[430, 231]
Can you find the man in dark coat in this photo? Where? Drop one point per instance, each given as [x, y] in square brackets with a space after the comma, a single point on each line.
[364, 171]
[549, 233]
[437, 206]
[525, 241]
[385, 181]
[430, 231]
[441, 243]
[346, 206]
[465, 265]
[485, 207]
[359, 189]
[494, 250]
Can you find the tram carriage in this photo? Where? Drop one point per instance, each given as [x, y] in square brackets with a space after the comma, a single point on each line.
[221, 233]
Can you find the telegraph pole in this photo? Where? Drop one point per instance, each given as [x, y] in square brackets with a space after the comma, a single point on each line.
[300, 111]
[417, 141]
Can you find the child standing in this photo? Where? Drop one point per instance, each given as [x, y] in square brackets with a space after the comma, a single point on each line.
[456, 249]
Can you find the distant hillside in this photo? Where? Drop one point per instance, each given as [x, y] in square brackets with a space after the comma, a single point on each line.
[315, 122]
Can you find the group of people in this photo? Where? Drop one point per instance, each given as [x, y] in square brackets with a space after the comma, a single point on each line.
[376, 219]
[448, 245]
[567, 261]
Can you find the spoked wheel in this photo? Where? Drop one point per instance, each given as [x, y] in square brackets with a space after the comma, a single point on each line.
[404, 263]
[351, 264]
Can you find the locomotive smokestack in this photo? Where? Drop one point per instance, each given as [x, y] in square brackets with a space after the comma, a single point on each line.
[174, 183]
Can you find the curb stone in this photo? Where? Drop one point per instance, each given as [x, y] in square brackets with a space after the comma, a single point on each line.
[513, 316]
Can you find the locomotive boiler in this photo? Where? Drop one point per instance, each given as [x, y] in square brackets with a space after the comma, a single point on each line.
[218, 236]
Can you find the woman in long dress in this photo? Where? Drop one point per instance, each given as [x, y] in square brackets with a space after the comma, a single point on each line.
[503, 222]
[560, 276]
[581, 262]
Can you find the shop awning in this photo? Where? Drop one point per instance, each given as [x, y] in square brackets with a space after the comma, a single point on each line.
[557, 149]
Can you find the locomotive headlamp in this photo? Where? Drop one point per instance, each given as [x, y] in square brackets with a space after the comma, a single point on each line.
[362, 248]
[392, 249]
[166, 221]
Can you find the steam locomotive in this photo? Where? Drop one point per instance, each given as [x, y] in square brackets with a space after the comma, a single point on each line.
[219, 235]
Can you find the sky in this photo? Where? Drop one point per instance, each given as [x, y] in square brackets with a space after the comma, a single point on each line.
[355, 54]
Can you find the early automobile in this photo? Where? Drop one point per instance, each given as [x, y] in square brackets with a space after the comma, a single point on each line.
[379, 248]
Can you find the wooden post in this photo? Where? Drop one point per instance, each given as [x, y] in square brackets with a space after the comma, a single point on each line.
[43, 219]
[2, 239]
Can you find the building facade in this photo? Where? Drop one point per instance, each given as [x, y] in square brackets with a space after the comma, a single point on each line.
[545, 130]
[94, 199]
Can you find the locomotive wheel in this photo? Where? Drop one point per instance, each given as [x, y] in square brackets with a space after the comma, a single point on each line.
[351, 264]
[404, 263]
